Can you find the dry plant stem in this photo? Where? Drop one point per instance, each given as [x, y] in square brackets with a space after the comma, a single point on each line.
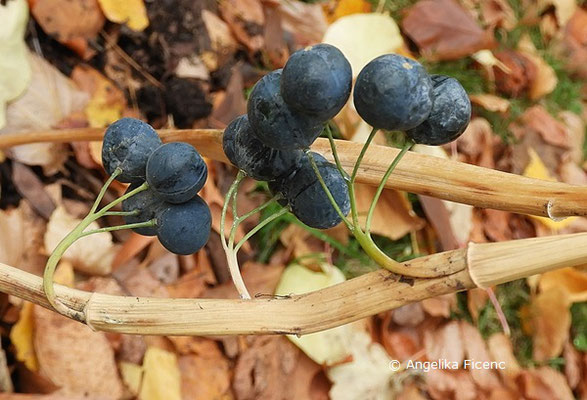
[376, 292]
[231, 259]
[417, 173]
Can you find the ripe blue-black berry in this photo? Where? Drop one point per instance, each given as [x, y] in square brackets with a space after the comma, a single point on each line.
[450, 114]
[228, 138]
[184, 228]
[317, 81]
[148, 205]
[307, 198]
[275, 123]
[176, 172]
[256, 159]
[127, 145]
[393, 92]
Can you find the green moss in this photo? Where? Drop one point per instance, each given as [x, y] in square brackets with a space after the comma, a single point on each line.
[567, 94]
[579, 325]
[512, 296]
[463, 70]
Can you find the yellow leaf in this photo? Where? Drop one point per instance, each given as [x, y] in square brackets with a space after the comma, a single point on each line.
[348, 7]
[21, 336]
[537, 170]
[107, 102]
[64, 274]
[363, 37]
[130, 12]
[161, 379]
[545, 80]
[132, 375]
[329, 347]
[15, 72]
[572, 280]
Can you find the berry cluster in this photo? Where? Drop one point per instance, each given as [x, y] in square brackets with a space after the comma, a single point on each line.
[174, 174]
[288, 109]
[286, 112]
[396, 93]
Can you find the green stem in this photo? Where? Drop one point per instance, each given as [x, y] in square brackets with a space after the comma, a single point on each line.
[362, 154]
[109, 181]
[119, 200]
[231, 259]
[258, 209]
[335, 152]
[328, 193]
[259, 227]
[381, 186]
[145, 224]
[121, 213]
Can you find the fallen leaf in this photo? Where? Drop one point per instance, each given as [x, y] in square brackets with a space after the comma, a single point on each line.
[12, 230]
[276, 51]
[572, 358]
[132, 13]
[328, 347]
[30, 186]
[520, 74]
[107, 102]
[92, 254]
[392, 206]
[367, 376]
[161, 376]
[48, 99]
[440, 306]
[490, 102]
[21, 336]
[246, 19]
[205, 377]
[545, 80]
[350, 34]
[544, 383]
[71, 23]
[306, 22]
[550, 320]
[476, 300]
[445, 343]
[264, 368]
[443, 30]
[457, 385]
[343, 8]
[563, 9]
[408, 315]
[15, 72]
[498, 13]
[132, 376]
[74, 357]
[476, 349]
[572, 280]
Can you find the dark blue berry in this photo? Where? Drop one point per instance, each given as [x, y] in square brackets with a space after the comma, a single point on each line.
[259, 161]
[127, 145]
[276, 188]
[275, 123]
[450, 114]
[176, 172]
[184, 228]
[317, 81]
[394, 93]
[307, 198]
[148, 205]
[228, 138]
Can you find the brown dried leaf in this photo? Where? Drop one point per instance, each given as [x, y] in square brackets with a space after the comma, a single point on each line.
[476, 300]
[544, 383]
[545, 80]
[263, 370]
[445, 343]
[222, 42]
[306, 22]
[476, 349]
[520, 75]
[490, 102]
[70, 22]
[205, 377]
[392, 206]
[246, 19]
[440, 306]
[448, 385]
[498, 13]
[536, 118]
[550, 320]
[29, 186]
[572, 280]
[572, 365]
[443, 30]
[74, 357]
